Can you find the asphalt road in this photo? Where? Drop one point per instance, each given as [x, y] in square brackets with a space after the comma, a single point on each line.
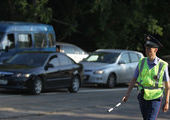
[88, 104]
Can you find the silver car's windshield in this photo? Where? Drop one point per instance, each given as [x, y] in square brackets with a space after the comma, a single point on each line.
[102, 57]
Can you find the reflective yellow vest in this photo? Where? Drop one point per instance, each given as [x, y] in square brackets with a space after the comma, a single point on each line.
[151, 80]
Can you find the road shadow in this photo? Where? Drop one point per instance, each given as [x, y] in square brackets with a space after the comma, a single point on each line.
[11, 91]
[27, 93]
[123, 85]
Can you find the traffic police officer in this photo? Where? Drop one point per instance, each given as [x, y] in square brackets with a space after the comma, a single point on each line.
[150, 74]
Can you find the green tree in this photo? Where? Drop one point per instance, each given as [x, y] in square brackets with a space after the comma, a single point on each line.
[32, 11]
[94, 24]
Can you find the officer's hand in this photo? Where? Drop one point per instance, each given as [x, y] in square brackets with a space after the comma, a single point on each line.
[125, 98]
[165, 107]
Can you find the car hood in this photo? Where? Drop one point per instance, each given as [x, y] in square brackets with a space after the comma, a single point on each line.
[95, 65]
[17, 68]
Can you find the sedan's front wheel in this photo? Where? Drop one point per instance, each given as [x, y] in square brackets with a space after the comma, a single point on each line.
[36, 86]
[75, 85]
[111, 82]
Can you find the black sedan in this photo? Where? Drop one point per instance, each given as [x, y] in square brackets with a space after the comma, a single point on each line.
[37, 71]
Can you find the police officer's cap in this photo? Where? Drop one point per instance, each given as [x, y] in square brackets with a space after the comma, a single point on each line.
[152, 42]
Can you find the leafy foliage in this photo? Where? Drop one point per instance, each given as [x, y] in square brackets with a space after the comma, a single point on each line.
[32, 11]
[94, 24]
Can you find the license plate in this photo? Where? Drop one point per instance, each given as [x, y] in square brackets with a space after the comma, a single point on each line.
[3, 82]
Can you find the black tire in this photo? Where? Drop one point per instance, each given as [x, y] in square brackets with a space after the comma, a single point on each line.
[111, 82]
[36, 86]
[75, 85]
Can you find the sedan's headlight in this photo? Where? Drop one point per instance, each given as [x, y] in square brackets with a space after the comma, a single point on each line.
[99, 72]
[23, 75]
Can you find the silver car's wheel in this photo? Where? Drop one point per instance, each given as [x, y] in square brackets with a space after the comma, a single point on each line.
[75, 85]
[111, 82]
[36, 86]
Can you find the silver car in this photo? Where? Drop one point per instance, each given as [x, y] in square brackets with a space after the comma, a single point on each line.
[110, 66]
[73, 51]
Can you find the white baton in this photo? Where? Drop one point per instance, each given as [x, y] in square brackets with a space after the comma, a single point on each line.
[117, 105]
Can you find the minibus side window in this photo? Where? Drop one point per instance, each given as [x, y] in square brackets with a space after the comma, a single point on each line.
[40, 40]
[8, 42]
[11, 41]
[24, 41]
[51, 39]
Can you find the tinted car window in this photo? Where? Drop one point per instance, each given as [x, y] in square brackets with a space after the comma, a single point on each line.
[1, 35]
[134, 57]
[54, 61]
[103, 57]
[9, 41]
[51, 39]
[65, 60]
[40, 40]
[125, 58]
[24, 41]
[31, 59]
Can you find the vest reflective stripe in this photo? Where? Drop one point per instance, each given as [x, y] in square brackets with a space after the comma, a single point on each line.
[140, 71]
[158, 75]
[153, 87]
[141, 67]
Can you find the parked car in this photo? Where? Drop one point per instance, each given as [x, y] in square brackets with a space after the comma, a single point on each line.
[109, 66]
[37, 71]
[23, 36]
[73, 51]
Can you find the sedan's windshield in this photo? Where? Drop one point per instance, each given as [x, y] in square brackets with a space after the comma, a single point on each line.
[31, 59]
[102, 57]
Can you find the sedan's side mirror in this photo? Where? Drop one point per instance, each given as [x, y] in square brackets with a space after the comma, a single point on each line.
[48, 66]
[121, 62]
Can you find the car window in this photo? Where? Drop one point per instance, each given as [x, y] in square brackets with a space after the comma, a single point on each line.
[64, 60]
[78, 50]
[68, 49]
[125, 58]
[54, 61]
[9, 41]
[51, 39]
[139, 56]
[31, 59]
[102, 57]
[40, 40]
[134, 57]
[24, 41]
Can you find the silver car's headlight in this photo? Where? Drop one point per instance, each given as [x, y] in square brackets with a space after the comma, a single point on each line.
[99, 72]
[23, 75]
